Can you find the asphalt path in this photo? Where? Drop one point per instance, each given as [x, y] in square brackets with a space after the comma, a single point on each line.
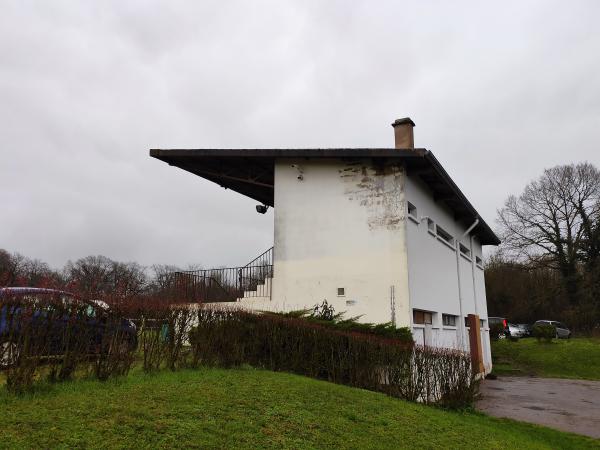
[567, 405]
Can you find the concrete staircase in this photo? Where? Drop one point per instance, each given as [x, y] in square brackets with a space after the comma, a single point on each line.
[260, 294]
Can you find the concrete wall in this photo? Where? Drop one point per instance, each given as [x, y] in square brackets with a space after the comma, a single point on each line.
[432, 274]
[345, 225]
[342, 225]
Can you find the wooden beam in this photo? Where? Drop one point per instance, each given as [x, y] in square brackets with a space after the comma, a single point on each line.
[229, 177]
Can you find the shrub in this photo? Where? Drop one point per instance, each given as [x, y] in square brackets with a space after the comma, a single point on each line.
[152, 334]
[54, 334]
[23, 345]
[376, 357]
[544, 332]
[116, 354]
[324, 311]
[229, 338]
[497, 331]
[352, 324]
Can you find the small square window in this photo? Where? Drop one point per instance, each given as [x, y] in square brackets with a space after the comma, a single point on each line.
[341, 292]
[478, 261]
[412, 209]
[449, 320]
[465, 250]
[422, 317]
[431, 225]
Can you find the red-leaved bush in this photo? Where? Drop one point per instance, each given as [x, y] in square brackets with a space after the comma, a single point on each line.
[54, 338]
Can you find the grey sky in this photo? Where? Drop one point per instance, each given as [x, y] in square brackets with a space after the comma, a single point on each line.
[498, 91]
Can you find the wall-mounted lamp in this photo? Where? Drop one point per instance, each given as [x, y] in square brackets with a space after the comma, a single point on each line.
[300, 171]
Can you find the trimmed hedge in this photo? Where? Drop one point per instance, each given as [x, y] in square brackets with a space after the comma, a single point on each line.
[228, 338]
[375, 357]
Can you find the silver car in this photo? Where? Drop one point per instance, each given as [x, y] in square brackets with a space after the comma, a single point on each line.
[518, 330]
[562, 331]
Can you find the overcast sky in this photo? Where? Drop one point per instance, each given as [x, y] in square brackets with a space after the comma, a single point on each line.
[498, 91]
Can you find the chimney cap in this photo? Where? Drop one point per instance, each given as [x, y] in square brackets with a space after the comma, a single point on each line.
[403, 121]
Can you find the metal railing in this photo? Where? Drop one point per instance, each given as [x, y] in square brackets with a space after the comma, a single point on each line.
[228, 284]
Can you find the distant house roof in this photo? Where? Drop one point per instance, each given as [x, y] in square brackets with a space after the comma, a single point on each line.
[251, 173]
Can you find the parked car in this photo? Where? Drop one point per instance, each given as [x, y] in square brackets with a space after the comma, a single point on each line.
[527, 329]
[48, 314]
[500, 326]
[520, 330]
[562, 331]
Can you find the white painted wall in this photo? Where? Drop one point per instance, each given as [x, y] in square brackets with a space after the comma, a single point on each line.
[341, 226]
[344, 225]
[433, 280]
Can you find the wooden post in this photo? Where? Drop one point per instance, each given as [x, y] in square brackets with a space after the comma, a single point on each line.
[475, 343]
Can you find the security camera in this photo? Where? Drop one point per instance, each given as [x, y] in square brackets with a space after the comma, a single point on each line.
[261, 209]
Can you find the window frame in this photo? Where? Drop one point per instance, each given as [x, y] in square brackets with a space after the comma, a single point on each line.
[431, 226]
[464, 251]
[449, 316]
[445, 237]
[425, 314]
[412, 212]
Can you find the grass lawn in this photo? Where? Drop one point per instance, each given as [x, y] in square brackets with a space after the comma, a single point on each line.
[247, 408]
[562, 358]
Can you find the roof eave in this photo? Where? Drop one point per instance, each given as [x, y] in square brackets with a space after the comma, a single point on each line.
[187, 159]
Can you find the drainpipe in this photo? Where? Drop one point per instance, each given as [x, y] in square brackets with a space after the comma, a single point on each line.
[462, 342]
[473, 276]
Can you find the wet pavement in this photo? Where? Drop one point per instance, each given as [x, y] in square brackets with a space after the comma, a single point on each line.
[567, 405]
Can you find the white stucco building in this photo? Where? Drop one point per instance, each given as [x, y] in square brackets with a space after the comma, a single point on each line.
[383, 233]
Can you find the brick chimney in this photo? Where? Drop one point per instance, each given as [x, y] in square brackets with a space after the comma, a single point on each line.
[403, 133]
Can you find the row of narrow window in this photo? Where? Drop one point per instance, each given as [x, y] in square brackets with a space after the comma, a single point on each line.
[426, 318]
[441, 233]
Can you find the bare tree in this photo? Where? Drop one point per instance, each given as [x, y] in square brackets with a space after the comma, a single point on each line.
[99, 276]
[129, 278]
[11, 268]
[90, 276]
[553, 223]
[162, 276]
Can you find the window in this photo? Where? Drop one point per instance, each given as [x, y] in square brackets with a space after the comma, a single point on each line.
[341, 292]
[412, 210]
[431, 225]
[479, 262]
[445, 236]
[465, 250]
[422, 317]
[350, 302]
[448, 320]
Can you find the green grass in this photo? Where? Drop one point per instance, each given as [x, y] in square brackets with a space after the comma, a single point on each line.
[247, 408]
[562, 358]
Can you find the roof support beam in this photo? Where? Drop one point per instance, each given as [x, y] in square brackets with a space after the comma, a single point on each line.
[229, 177]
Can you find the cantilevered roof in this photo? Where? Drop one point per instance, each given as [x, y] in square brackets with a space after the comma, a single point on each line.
[251, 173]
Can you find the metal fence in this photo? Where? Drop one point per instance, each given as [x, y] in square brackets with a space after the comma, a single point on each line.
[228, 284]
